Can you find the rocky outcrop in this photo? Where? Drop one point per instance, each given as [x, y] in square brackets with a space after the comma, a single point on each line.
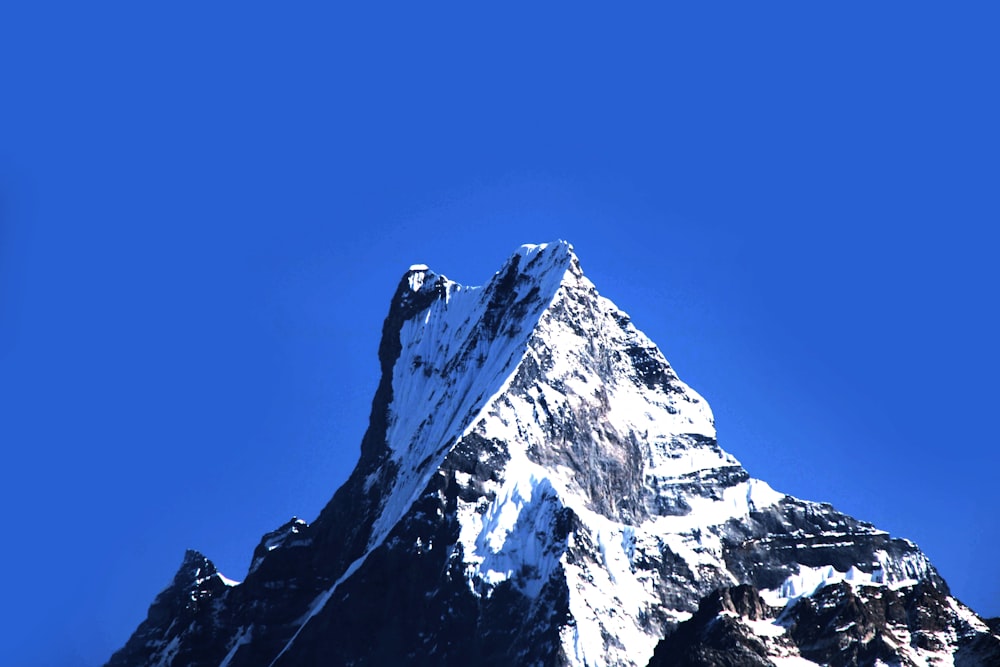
[840, 625]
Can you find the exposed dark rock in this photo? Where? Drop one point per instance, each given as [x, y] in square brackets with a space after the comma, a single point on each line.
[840, 625]
[709, 639]
[190, 601]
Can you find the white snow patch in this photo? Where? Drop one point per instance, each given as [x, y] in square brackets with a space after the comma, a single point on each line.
[811, 579]
[969, 616]
[417, 277]
[765, 628]
[760, 495]
[169, 653]
[792, 661]
[243, 636]
[226, 580]
[511, 536]
[736, 502]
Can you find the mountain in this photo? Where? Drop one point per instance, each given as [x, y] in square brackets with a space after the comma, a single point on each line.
[537, 486]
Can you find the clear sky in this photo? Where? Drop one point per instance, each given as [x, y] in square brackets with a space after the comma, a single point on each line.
[204, 212]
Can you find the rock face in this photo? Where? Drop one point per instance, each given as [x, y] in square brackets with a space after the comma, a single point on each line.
[537, 486]
[839, 625]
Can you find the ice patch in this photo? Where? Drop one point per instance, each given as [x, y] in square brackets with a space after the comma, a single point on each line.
[811, 579]
[511, 537]
[765, 628]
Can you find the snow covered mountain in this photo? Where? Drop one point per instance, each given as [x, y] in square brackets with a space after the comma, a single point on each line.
[537, 486]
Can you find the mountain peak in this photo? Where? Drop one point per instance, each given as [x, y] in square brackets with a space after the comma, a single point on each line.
[531, 261]
[554, 249]
[538, 486]
[445, 350]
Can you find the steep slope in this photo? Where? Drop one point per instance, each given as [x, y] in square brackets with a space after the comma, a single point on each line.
[536, 486]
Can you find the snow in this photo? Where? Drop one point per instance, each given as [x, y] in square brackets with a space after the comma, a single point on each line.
[811, 579]
[761, 495]
[243, 636]
[765, 628]
[503, 539]
[529, 249]
[166, 658]
[419, 274]
[968, 616]
[791, 661]
[781, 649]
[511, 534]
[223, 578]
[805, 583]
[320, 602]
[737, 501]
[282, 538]
[447, 371]
[909, 648]
[227, 581]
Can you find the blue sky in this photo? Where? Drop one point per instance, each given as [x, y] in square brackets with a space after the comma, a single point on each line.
[204, 212]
